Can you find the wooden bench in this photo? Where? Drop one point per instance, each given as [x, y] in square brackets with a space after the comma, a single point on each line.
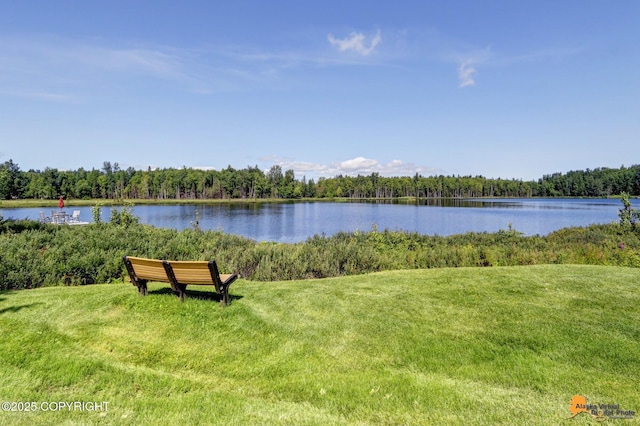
[179, 274]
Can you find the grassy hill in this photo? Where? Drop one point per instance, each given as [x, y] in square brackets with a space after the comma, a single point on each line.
[504, 345]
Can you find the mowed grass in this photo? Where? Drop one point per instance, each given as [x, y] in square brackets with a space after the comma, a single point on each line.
[507, 345]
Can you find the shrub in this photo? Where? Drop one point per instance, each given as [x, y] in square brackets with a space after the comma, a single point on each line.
[34, 254]
[628, 216]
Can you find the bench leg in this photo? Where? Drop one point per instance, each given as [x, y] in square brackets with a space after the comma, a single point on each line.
[141, 284]
[182, 288]
[224, 291]
[142, 288]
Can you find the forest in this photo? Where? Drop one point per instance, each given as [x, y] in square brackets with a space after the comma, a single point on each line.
[113, 182]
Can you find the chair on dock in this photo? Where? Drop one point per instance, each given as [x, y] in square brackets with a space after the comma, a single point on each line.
[75, 217]
[58, 217]
[44, 219]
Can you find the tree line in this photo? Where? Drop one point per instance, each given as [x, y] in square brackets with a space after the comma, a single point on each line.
[113, 182]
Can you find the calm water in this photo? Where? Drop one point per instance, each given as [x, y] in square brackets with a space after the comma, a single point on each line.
[292, 222]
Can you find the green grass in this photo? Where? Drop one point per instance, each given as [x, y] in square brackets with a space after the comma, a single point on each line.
[508, 345]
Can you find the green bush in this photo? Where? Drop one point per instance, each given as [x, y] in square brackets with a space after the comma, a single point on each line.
[34, 254]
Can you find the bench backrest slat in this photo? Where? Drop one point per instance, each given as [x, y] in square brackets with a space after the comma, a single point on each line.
[148, 269]
[186, 272]
[189, 272]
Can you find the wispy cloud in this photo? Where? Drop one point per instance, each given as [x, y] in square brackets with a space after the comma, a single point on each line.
[159, 62]
[551, 53]
[60, 69]
[356, 42]
[466, 70]
[42, 96]
[469, 62]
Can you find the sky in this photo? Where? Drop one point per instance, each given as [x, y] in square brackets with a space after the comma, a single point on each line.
[498, 88]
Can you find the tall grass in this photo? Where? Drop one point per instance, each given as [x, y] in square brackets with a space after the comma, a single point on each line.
[33, 255]
[465, 346]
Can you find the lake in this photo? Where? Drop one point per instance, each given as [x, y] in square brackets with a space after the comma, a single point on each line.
[296, 221]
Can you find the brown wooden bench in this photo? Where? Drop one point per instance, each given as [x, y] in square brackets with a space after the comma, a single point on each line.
[179, 274]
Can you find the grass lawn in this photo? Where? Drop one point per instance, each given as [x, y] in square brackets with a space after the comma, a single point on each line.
[464, 346]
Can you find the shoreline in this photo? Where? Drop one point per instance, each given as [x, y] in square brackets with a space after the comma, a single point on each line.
[53, 203]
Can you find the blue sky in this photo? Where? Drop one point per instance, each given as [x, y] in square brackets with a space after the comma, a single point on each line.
[509, 89]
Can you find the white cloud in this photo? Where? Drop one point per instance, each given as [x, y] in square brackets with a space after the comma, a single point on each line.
[352, 167]
[465, 74]
[356, 42]
[367, 166]
[358, 163]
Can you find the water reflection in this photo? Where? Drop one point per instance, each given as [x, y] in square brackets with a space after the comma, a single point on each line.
[296, 221]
